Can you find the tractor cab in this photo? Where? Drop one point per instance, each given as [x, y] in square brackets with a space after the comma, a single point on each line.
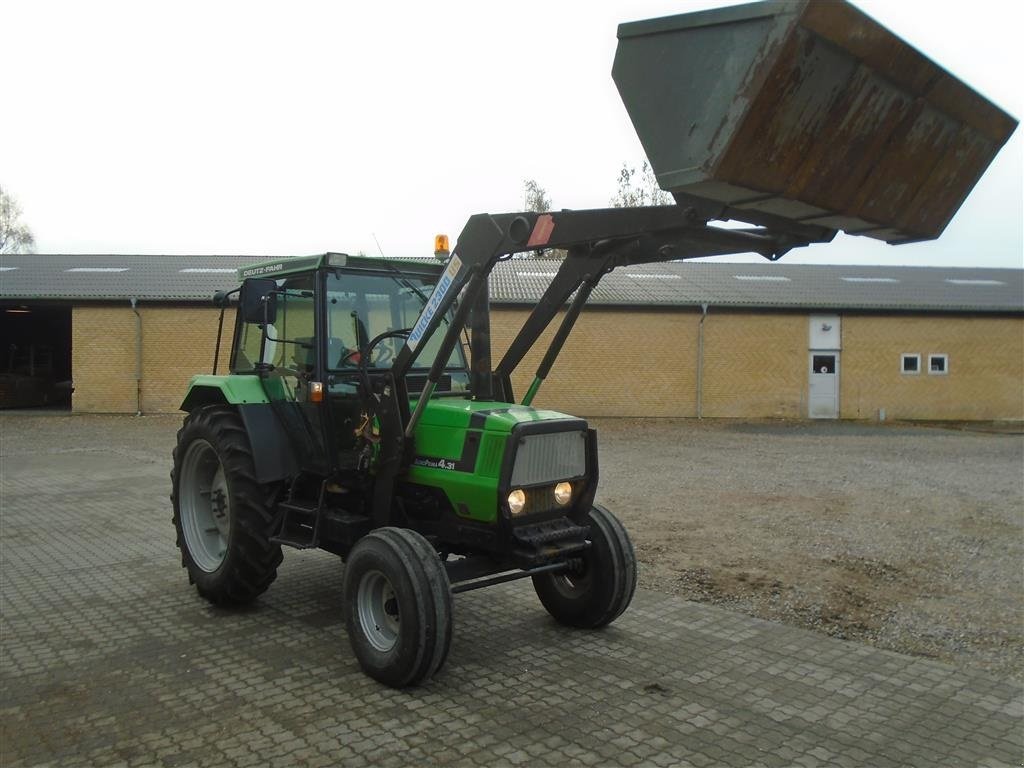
[318, 335]
[362, 434]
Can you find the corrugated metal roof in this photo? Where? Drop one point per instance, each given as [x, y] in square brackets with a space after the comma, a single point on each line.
[115, 277]
[34, 277]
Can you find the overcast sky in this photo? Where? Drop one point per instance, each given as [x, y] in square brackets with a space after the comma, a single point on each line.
[291, 128]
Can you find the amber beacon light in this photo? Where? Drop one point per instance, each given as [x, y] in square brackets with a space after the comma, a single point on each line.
[441, 249]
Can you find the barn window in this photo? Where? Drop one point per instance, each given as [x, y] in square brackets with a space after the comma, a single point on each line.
[823, 363]
[910, 363]
[938, 364]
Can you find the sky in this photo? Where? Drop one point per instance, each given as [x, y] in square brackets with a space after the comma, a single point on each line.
[290, 128]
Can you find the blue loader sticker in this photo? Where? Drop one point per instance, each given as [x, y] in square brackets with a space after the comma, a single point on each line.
[440, 291]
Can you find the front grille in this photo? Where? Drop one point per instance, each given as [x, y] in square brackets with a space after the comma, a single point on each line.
[549, 457]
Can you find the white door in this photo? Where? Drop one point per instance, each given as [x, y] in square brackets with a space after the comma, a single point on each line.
[823, 400]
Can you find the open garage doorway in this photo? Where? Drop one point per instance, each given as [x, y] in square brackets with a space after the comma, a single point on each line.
[35, 356]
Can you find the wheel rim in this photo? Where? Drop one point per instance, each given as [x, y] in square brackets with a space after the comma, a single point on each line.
[378, 611]
[204, 506]
[573, 584]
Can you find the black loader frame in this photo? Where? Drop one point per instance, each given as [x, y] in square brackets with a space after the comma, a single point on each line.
[597, 241]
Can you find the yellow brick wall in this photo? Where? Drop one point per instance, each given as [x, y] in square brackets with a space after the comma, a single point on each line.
[615, 362]
[177, 342]
[986, 368]
[755, 365]
[627, 362]
[103, 359]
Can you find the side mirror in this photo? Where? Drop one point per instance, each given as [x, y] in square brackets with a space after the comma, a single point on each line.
[258, 301]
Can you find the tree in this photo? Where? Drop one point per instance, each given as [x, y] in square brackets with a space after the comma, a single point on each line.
[15, 237]
[635, 192]
[536, 197]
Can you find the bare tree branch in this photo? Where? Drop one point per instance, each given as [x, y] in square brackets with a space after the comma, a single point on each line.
[15, 236]
[536, 197]
[635, 192]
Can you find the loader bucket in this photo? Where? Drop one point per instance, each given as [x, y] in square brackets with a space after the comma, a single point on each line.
[809, 110]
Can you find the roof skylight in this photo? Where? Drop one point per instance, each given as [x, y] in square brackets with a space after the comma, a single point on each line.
[97, 269]
[763, 278]
[965, 281]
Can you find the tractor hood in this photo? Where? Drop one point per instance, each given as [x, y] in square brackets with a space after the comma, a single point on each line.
[492, 416]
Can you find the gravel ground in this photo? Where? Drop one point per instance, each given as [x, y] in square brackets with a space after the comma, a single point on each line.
[905, 537]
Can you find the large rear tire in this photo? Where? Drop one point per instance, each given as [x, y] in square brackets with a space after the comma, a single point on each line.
[222, 516]
[602, 589]
[398, 607]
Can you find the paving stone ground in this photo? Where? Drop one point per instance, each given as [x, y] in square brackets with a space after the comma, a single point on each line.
[108, 657]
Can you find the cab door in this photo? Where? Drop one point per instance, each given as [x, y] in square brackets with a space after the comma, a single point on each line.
[369, 311]
[282, 350]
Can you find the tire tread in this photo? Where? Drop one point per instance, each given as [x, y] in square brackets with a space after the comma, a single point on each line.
[604, 602]
[431, 595]
[252, 560]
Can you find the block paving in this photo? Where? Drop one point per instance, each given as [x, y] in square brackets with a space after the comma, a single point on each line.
[108, 657]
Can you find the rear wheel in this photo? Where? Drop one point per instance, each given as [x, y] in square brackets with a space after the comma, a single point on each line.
[398, 606]
[222, 516]
[598, 593]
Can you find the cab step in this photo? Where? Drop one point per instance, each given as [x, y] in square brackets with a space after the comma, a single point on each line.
[303, 526]
[299, 525]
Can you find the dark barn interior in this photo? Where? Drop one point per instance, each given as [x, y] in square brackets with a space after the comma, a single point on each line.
[35, 356]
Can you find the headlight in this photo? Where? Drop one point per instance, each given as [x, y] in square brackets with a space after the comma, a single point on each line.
[516, 501]
[563, 493]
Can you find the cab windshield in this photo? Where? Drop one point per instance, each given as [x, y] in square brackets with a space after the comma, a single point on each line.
[362, 306]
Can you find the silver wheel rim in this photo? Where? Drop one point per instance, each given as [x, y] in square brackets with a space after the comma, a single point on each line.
[378, 611]
[204, 506]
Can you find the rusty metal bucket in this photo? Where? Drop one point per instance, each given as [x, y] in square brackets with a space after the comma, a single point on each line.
[806, 109]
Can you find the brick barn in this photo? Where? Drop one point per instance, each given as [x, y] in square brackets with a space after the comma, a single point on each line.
[691, 339]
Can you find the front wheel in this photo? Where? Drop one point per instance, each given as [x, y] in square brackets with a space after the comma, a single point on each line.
[398, 606]
[598, 593]
[222, 516]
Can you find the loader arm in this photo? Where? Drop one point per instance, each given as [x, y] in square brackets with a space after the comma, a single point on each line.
[587, 263]
[597, 241]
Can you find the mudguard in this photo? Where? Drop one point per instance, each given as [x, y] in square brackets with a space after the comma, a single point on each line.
[271, 450]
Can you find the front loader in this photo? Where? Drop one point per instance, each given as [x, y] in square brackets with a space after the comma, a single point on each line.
[363, 413]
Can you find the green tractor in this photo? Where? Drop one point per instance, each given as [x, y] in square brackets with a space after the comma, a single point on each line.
[363, 415]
